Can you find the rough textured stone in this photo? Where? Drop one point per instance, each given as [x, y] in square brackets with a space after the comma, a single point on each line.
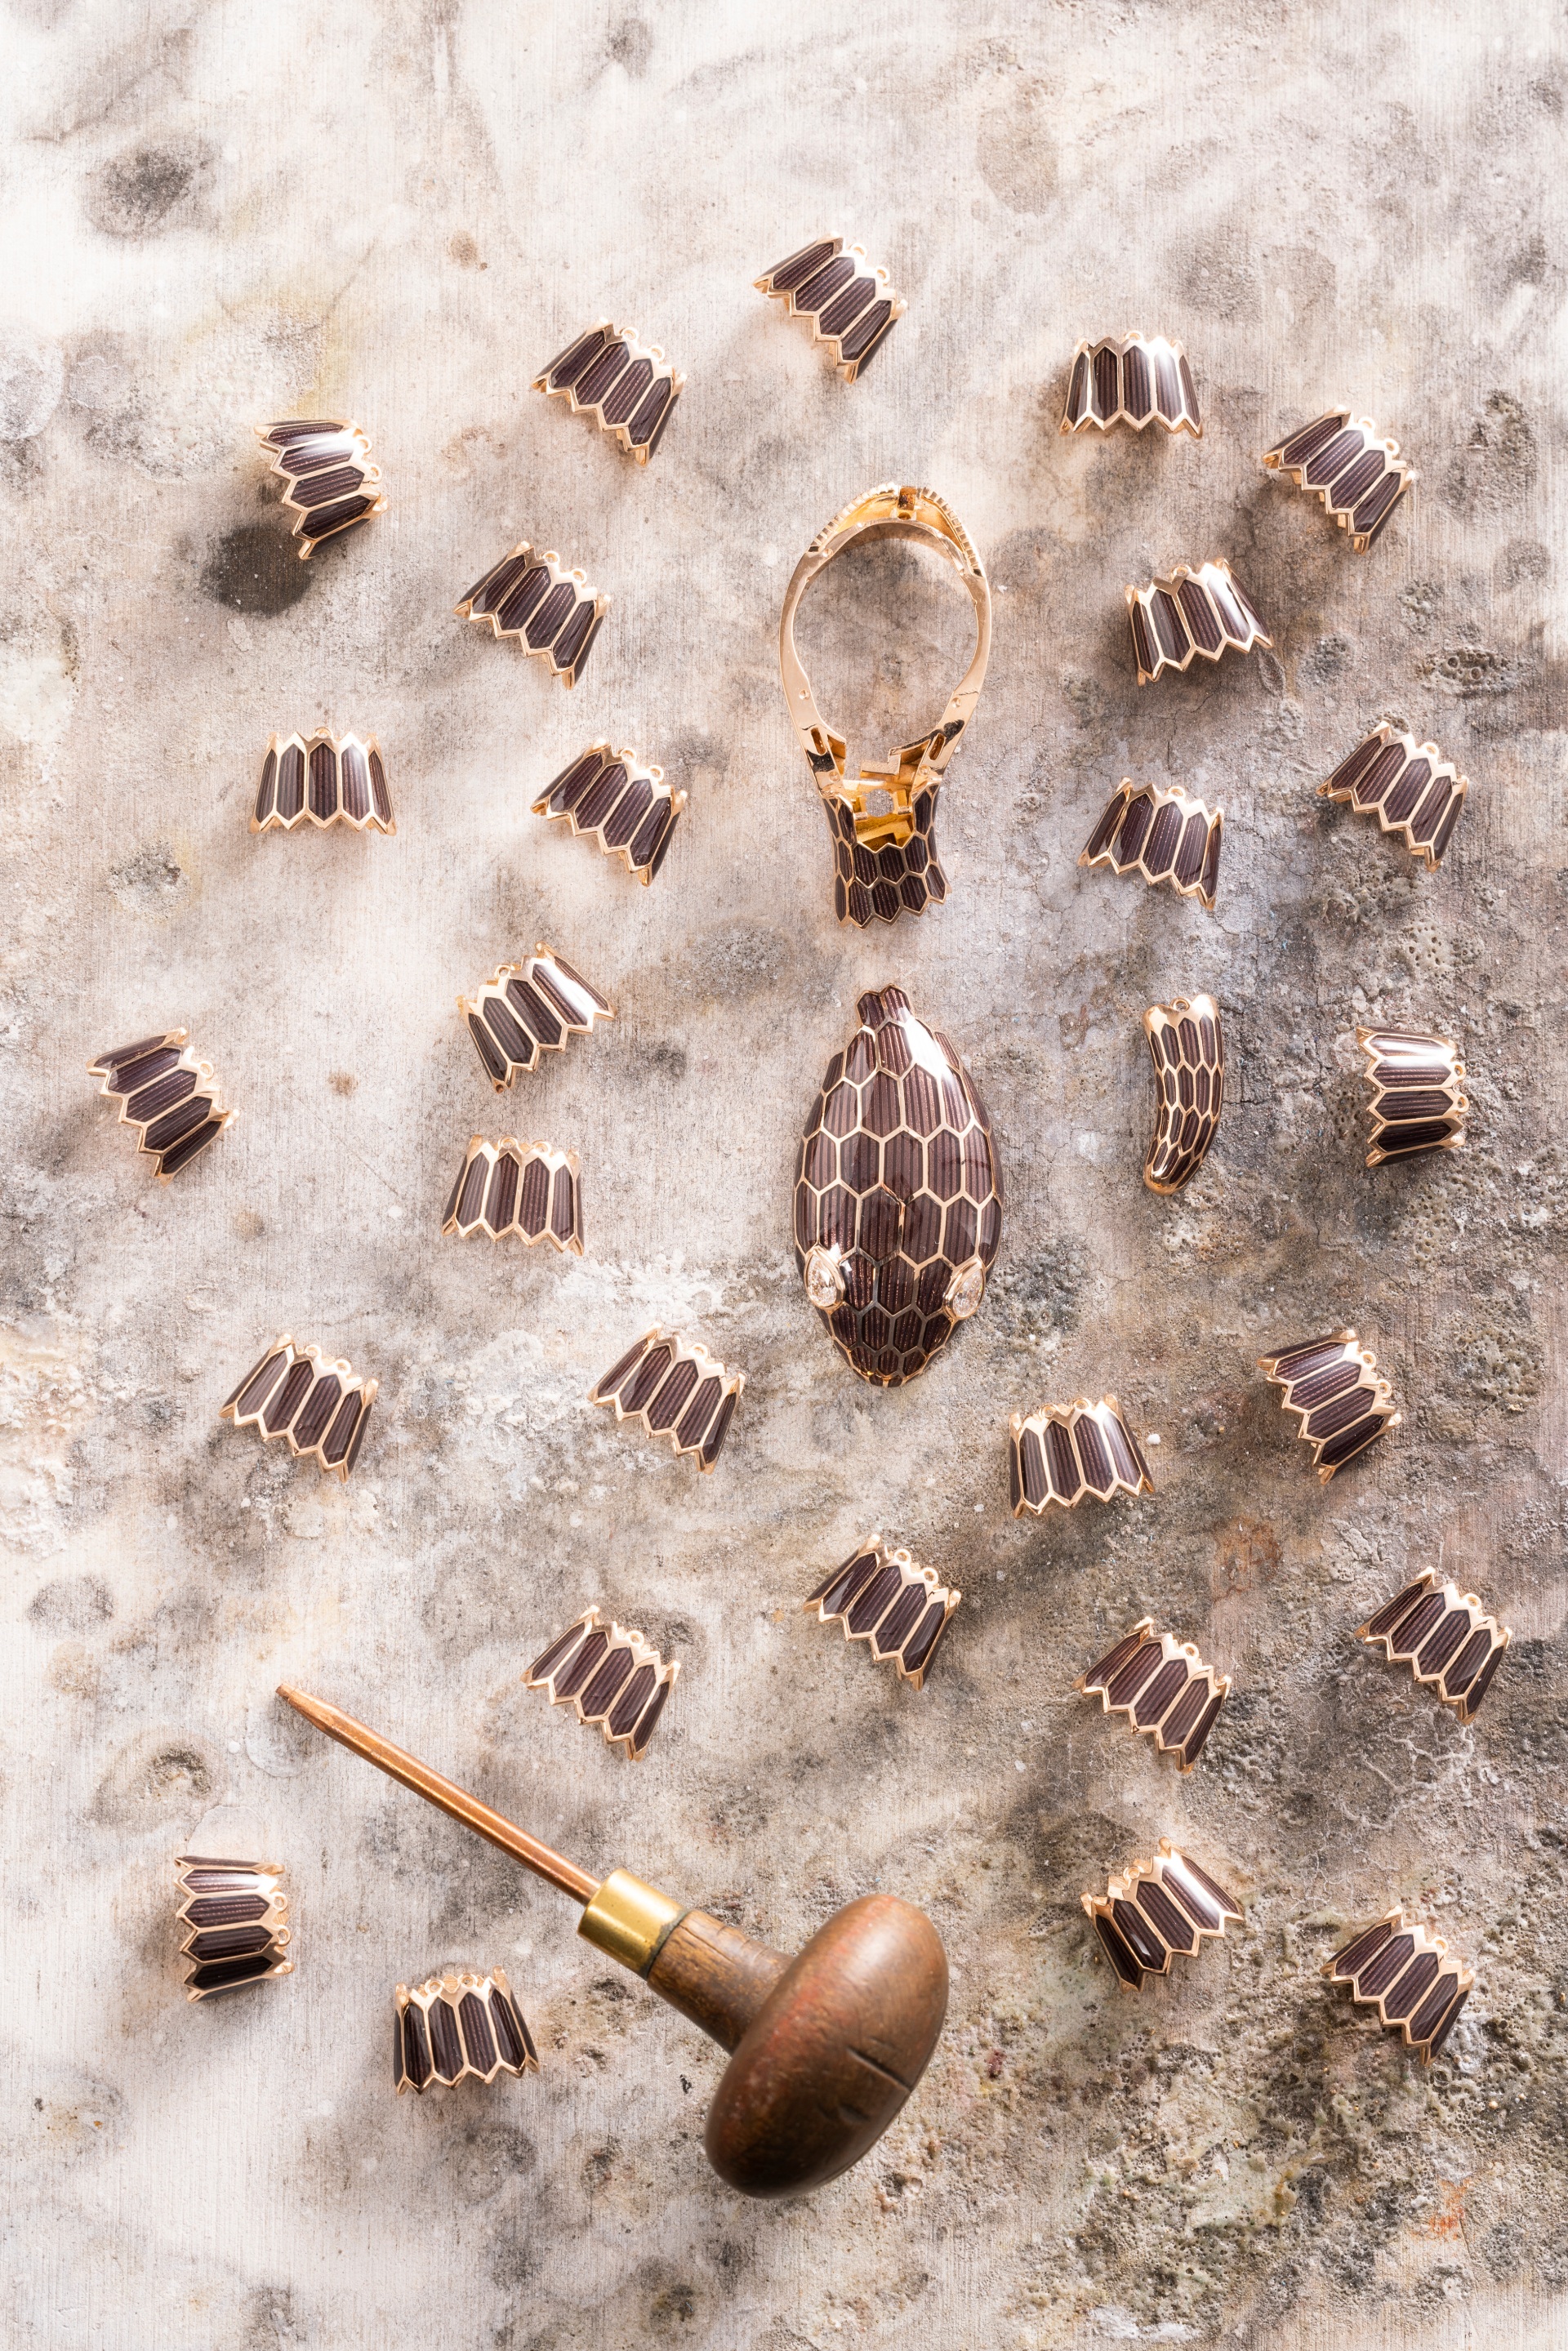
[224, 216]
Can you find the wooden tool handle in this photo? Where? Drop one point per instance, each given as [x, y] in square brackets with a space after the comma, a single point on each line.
[715, 1975]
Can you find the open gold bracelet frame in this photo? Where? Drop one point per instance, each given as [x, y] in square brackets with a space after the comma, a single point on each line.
[883, 822]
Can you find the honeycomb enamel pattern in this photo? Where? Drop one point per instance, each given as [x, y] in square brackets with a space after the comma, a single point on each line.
[528, 1009]
[1161, 832]
[1136, 379]
[884, 866]
[552, 611]
[1415, 1083]
[1333, 1387]
[882, 1597]
[612, 798]
[610, 1677]
[1444, 1636]
[1191, 616]
[1156, 1908]
[1164, 1688]
[676, 1390]
[1359, 477]
[323, 1408]
[1085, 1454]
[1186, 1045]
[330, 477]
[323, 779]
[162, 1089]
[898, 1194]
[628, 387]
[232, 1919]
[850, 306]
[459, 2028]
[517, 1188]
[1406, 1973]
[1409, 787]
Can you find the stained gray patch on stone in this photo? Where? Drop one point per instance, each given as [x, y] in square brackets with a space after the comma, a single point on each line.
[150, 187]
[255, 568]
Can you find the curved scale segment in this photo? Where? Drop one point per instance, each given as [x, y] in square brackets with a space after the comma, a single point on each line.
[1342, 459]
[1186, 1046]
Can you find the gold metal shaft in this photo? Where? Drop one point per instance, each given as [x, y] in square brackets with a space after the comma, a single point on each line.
[445, 1795]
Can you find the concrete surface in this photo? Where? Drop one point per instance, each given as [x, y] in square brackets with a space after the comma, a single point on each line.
[216, 214]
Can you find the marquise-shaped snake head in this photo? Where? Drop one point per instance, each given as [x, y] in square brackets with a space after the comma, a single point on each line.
[898, 1194]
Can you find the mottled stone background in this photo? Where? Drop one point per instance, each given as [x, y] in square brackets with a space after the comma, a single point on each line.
[217, 214]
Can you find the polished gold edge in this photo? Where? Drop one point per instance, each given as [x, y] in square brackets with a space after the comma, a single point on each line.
[373, 480]
[1124, 1888]
[1481, 1620]
[1385, 735]
[1219, 1687]
[833, 344]
[1379, 1394]
[1402, 1922]
[351, 1382]
[636, 767]
[1360, 541]
[558, 572]
[934, 1589]
[524, 1153]
[636, 349]
[1087, 346]
[1458, 1112]
[204, 1071]
[370, 822]
[666, 1673]
[683, 1351]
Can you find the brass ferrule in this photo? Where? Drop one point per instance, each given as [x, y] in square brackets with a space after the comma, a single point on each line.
[630, 1920]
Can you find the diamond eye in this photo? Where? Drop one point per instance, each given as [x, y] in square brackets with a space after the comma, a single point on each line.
[825, 1279]
[965, 1290]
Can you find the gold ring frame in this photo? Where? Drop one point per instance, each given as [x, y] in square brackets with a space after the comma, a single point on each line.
[676, 1389]
[528, 1009]
[1186, 1046]
[882, 1597]
[882, 824]
[1409, 787]
[330, 477]
[849, 307]
[1085, 1454]
[232, 1916]
[1163, 834]
[1164, 1688]
[550, 609]
[1401, 1968]
[526, 1188]
[1334, 1387]
[1444, 1636]
[1192, 615]
[168, 1094]
[627, 386]
[321, 779]
[465, 2027]
[1156, 1909]
[323, 1408]
[612, 1678]
[614, 799]
[1415, 1083]
[1136, 379]
[1340, 458]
